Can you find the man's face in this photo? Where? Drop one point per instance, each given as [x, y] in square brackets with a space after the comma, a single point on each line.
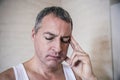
[52, 40]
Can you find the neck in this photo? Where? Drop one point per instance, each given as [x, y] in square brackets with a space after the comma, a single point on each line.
[38, 67]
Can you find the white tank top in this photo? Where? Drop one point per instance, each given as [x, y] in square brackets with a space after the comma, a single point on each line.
[20, 73]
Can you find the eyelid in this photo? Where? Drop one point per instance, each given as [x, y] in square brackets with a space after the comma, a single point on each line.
[65, 39]
[49, 38]
[68, 41]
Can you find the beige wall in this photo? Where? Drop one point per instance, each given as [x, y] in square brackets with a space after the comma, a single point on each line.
[91, 29]
[17, 19]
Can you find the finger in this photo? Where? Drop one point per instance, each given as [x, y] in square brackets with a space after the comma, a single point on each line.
[72, 57]
[80, 59]
[75, 62]
[68, 60]
[74, 54]
[75, 45]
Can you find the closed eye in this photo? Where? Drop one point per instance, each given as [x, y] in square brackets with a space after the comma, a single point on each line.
[49, 35]
[49, 38]
[65, 40]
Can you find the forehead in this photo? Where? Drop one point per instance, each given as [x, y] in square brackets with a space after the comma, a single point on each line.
[53, 24]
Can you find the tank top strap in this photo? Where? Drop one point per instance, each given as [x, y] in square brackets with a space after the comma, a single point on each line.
[69, 75]
[20, 73]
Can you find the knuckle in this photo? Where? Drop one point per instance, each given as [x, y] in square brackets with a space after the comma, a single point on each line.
[87, 55]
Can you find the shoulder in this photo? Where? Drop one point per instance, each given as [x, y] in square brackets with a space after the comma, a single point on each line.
[7, 75]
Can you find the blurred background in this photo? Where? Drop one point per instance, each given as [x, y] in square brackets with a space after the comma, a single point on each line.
[96, 28]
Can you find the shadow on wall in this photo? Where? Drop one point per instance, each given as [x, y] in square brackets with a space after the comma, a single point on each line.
[102, 61]
[114, 1]
[1, 1]
[118, 77]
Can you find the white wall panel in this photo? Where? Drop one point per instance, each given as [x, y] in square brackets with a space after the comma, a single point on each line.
[115, 23]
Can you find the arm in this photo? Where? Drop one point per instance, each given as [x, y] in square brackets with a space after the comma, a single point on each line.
[80, 62]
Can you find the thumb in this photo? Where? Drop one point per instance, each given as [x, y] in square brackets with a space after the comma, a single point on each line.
[68, 60]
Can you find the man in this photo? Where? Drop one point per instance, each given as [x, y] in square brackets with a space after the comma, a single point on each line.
[52, 35]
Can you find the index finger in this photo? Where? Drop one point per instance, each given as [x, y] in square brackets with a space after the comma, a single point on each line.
[75, 44]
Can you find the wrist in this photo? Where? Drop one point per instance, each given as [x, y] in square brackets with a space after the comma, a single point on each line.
[93, 77]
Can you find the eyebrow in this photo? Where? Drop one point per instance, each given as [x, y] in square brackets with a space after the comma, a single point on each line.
[50, 34]
[55, 35]
[66, 37]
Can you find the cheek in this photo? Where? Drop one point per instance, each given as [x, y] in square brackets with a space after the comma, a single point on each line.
[64, 51]
[65, 47]
[40, 46]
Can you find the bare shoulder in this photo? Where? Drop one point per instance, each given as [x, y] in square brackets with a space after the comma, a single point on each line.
[7, 75]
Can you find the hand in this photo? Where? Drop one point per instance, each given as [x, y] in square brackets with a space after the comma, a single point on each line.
[80, 62]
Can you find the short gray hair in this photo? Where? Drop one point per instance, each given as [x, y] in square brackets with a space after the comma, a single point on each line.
[57, 11]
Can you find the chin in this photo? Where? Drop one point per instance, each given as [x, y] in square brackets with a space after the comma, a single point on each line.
[53, 64]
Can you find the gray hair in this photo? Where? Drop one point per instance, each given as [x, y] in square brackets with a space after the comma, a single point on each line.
[57, 11]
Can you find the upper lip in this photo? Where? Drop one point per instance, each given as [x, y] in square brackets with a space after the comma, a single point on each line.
[54, 56]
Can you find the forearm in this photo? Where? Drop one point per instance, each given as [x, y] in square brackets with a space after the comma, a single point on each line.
[93, 77]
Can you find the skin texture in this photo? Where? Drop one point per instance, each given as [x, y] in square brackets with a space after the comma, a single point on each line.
[53, 29]
[51, 43]
[80, 62]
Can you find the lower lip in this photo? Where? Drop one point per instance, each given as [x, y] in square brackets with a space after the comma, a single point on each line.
[53, 57]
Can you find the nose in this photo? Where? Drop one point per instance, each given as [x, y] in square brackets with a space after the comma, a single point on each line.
[58, 46]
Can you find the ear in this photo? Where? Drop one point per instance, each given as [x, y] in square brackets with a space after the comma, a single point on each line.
[33, 34]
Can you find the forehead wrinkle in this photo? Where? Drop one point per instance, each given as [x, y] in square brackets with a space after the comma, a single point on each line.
[54, 30]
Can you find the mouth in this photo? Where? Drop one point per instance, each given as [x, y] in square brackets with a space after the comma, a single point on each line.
[53, 57]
